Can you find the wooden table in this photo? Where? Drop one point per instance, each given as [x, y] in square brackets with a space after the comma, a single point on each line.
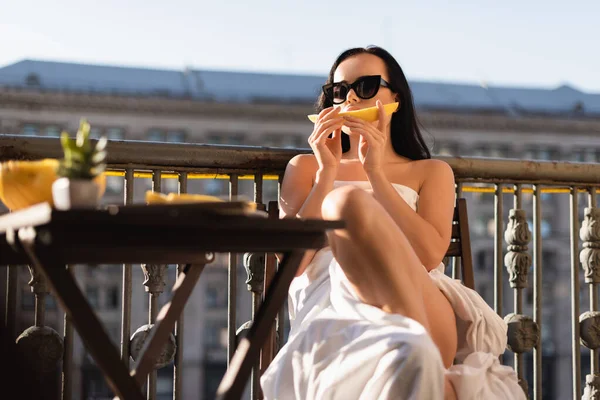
[48, 239]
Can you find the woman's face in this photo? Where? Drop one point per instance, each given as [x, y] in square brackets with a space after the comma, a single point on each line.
[358, 66]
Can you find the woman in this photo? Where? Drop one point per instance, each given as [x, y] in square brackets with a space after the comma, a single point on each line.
[372, 315]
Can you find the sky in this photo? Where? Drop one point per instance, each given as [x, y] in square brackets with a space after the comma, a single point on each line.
[525, 43]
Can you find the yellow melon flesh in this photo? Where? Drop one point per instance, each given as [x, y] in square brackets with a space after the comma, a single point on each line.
[159, 198]
[369, 114]
[25, 183]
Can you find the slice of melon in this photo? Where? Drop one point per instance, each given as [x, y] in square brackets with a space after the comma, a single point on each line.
[160, 198]
[368, 114]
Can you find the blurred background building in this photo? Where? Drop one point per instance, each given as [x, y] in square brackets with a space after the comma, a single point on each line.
[43, 98]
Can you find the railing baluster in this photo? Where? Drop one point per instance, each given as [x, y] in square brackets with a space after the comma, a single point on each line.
[127, 285]
[12, 280]
[498, 256]
[537, 290]
[156, 180]
[67, 370]
[178, 364]
[576, 356]
[160, 272]
[232, 284]
[280, 340]
[523, 332]
[590, 261]
[257, 291]
[456, 260]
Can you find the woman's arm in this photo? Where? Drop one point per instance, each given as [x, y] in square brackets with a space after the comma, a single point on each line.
[304, 188]
[430, 228]
[301, 197]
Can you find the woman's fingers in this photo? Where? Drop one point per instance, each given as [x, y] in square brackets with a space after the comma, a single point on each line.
[384, 119]
[327, 113]
[362, 128]
[325, 129]
[325, 116]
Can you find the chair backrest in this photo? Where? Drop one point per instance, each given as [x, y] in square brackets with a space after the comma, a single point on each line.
[460, 246]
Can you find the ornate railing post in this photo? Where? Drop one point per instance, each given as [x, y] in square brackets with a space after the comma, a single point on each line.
[255, 270]
[41, 345]
[589, 322]
[154, 283]
[523, 332]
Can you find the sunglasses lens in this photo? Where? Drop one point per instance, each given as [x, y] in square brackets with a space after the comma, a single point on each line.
[367, 87]
[339, 94]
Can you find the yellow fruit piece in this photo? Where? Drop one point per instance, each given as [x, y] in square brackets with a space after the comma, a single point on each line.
[160, 198]
[25, 183]
[369, 114]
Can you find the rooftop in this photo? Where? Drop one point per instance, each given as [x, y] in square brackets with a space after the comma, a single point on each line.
[229, 86]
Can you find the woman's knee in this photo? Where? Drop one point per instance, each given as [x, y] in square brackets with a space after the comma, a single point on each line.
[348, 203]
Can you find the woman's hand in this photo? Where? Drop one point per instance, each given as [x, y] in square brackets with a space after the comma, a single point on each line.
[372, 139]
[328, 151]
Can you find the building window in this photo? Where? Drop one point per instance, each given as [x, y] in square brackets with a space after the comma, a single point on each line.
[298, 142]
[230, 138]
[155, 135]
[30, 129]
[214, 187]
[32, 80]
[215, 334]
[541, 154]
[91, 292]
[272, 140]
[95, 132]
[214, 138]
[50, 302]
[445, 149]
[27, 300]
[592, 155]
[114, 184]
[498, 151]
[481, 225]
[112, 298]
[215, 298]
[52, 131]
[170, 185]
[483, 258]
[491, 150]
[236, 139]
[176, 137]
[164, 383]
[213, 373]
[212, 297]
[586, 155]
[545, 227]
[115, 133]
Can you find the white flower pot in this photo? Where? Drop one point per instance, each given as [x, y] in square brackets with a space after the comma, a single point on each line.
[74, 193]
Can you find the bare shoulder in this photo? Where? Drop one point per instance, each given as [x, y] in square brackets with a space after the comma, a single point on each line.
[435, 166]
[302, 166]
[433, 170]
[304, 161]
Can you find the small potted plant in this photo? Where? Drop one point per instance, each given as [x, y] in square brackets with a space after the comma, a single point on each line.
[76, 186]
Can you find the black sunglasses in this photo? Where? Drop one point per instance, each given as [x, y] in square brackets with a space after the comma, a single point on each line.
[365, 87]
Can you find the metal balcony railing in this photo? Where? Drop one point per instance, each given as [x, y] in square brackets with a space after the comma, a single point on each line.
[512, 191]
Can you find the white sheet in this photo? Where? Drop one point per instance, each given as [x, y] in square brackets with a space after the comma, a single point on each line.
[341, 348]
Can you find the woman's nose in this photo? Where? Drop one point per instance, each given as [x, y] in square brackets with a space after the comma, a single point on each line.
[351, 97]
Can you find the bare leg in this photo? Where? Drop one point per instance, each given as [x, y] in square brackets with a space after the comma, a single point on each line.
[380, 263]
